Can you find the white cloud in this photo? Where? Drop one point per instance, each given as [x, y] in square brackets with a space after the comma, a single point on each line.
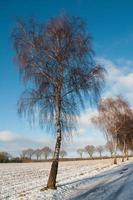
[112, 71]
[119, 78]
[125, 82]
[85, 118]
[6, 136]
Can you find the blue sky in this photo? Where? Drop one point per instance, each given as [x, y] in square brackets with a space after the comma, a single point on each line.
[111, 25]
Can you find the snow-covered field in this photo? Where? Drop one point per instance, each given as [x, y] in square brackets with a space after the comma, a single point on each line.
[23, 181]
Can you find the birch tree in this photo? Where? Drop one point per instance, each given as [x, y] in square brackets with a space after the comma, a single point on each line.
[56, 61]
[114, 114]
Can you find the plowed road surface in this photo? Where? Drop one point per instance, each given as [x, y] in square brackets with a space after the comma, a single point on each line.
[114, 184]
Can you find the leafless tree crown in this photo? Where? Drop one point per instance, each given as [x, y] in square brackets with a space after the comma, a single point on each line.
[56, 56]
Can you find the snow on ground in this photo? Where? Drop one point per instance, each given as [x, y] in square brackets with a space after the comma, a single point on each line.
[114, 184]
[23, 181]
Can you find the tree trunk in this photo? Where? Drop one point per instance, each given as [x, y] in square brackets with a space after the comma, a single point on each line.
[90, 155]
[115, 149]
[127, 154]
[54, 167]
[123, 152]
[115, 160]
[45, 157]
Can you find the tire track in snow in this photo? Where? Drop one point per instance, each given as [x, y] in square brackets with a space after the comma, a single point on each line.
[112, 186]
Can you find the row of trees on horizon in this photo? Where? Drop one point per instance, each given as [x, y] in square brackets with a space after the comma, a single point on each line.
[45, 153]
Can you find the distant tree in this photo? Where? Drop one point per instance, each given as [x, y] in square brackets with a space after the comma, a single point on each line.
[57, 60]
[4, 157]
[46, 151]
[80, 152]
[100, 150]
[37, 153]
[16, 159]
[110, 147]
[90, 149]
[27, 153]
[125, 142]
[23, 153]
[115, 118]
[63, 153]
[30, 153]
